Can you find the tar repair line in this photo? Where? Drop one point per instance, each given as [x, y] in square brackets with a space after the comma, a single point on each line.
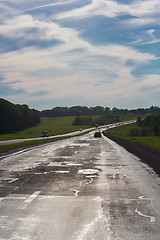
[29, 200]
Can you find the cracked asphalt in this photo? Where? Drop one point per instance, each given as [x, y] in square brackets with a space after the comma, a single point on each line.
[78, 189]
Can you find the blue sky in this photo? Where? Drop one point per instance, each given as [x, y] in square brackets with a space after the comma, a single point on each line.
[80, 52]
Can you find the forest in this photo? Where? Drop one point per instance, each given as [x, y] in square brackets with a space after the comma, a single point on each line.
[98, 110]
[15, 117]
[149, 125]
[97, 120]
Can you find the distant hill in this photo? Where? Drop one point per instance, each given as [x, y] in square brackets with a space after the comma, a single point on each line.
[15, 117]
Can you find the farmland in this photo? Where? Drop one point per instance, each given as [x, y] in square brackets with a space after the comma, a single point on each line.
[54, 126]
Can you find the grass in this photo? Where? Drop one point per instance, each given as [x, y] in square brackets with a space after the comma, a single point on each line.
[124, 132]
[54, 126]
[10, 147]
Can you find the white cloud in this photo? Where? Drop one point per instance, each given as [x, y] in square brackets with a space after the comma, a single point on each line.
[145, 12]
[141, 8]
[69, 38]
[12, 8]
[74, 67]
[97, 7]
[87, 87]
[73, 51]
[145, 37]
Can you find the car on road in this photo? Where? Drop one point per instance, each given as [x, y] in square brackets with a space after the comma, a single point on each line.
[97, 134]
[45, 134]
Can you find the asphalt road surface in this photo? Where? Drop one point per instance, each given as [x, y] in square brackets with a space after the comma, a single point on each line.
[82, 188]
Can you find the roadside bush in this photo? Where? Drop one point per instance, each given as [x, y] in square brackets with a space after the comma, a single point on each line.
[156, 128]
[145, 132]
[139, 121]
[150, 125]
[135, 132]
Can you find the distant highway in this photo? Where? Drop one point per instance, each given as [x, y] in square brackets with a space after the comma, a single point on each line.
[82, 188]
[6, 142]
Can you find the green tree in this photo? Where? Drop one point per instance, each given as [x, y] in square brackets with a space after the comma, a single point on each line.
[139, 121]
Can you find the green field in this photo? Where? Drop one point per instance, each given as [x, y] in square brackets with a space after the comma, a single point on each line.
[125, 133]
[54, 126]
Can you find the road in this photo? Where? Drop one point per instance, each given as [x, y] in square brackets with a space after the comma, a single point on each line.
[78, 189]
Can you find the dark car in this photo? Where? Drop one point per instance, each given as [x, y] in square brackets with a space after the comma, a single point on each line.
[98, 134]
[45, 134]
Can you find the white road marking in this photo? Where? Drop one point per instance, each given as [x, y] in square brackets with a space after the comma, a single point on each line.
[71, 164]
[88, 171]
[91, 178]
[59, 157]
[54, 164]
[141, 197]
[147, 216]
[76, 193]
[29, 200]
[61, 171]
[40, 173]
[13, 180]
[78, 145]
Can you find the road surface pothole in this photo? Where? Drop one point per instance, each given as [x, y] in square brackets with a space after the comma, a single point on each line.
[88, 171]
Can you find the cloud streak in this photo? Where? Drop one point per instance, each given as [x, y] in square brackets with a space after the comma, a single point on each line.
[112, 9]
[147, 37]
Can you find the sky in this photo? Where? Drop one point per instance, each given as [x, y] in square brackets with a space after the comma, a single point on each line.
[80, 53]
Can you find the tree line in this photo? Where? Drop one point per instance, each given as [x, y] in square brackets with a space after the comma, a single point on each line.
[150, 124]
[98, 110]
[15, 117]
[99, 120]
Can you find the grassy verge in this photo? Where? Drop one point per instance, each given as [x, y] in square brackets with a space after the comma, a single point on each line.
[16, 146]
[124, 132]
